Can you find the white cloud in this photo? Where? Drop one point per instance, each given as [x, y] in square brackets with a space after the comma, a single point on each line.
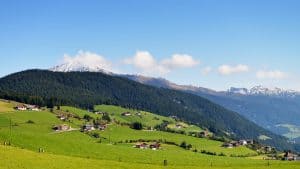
[206, 70]
[274, 74]
[145, 62]
[228, 69]
[87, 59]
[180, 61]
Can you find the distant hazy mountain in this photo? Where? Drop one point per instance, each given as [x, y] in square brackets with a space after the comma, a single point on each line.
[266, 107]
[263, 91]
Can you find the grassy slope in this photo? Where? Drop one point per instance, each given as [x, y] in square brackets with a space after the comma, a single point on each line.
[5, 106]
[148, 119]
[72, 144]
[15, 158]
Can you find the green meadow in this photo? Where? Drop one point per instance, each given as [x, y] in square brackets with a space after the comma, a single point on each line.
[75, 149]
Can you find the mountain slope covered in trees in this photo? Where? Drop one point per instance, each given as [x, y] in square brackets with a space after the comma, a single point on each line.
[84, 89]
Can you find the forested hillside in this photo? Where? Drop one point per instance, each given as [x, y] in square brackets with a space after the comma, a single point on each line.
[85, 89]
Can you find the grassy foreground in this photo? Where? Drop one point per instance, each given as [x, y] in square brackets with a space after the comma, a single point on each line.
[16, 158]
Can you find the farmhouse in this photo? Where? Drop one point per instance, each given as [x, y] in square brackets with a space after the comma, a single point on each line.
[27, 107]
[21, 107]
[33, 107]
[126, 114]
[267, 148]
[175, 118]
[243, 142]
[62, 127]
[203, 133]
[227, 145]
[101, 126]
[99, 112]
[178, 126]
[235, 143]
[88, 127]
[250, 142]
[62, 117]
[141, 145]
[289, 156]
[154, 146]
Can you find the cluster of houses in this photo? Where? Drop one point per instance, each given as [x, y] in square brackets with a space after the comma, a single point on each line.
[289, 156]
[152, 146]
[24, 107]
[91, 127]
[130, 114]
[233, 144]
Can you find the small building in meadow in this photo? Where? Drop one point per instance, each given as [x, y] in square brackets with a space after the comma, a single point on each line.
[204, 133]
[289, 156]
[141, 145]
[21, 107]
[243, 142]
[126, 114]
[88, 127]
[154, 146]
[227, 145]
[62, 117]
[33, 107]
[250, 141]
[101, 126]
[62, 127]
[178, 126]
[267, 149]
[99, 112]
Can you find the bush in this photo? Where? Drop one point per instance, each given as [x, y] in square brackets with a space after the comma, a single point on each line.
[87, 117]
[183, 144]
[106, 117]
[208, 152]
[30, 122]
[96, 135]
[137, 126]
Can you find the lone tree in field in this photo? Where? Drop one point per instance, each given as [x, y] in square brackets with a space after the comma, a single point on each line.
[106, 117]
[137, 126]
[87, 117]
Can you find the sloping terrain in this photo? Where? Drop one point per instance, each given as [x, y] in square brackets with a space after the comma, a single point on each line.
[86, 89]
[75, 149]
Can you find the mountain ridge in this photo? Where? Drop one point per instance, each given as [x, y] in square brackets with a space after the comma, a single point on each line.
[161, 82]
[86, 89]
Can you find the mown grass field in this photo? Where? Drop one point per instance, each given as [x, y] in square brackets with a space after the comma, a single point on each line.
[5, 106]
[75, 149]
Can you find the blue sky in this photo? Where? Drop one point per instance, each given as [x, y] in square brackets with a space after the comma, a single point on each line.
[209, 43]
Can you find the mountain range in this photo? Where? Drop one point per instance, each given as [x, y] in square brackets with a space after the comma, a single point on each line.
[85, 89]
[271, 108]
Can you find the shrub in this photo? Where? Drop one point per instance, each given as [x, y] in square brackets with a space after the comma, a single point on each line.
[96, 135]
[137, 126]
[30, 122]
[87, 117]
[106, 117]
